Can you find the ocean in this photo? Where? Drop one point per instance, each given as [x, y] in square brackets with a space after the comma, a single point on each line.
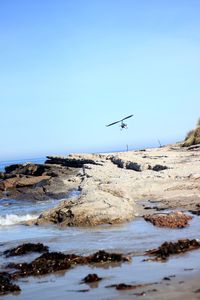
[132, 238]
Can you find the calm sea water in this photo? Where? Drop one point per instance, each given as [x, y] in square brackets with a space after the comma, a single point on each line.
[132, 238]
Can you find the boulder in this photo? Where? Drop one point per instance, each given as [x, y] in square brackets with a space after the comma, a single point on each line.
[93, 207]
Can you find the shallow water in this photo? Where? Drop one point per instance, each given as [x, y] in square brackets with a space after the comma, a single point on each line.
[133, 238]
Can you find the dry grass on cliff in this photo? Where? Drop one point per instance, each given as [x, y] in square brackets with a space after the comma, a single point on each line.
[193, 136]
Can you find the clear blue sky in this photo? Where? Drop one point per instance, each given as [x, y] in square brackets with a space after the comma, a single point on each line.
[69, 67]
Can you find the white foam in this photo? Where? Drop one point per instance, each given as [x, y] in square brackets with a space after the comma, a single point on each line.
[11, 219]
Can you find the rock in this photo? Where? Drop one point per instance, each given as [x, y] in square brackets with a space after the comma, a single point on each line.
[93, 207]
[170, 220]
[133, 166]
[25, 182]
[124, 286]
[117, 161]
[8, 183]
[27, 169]
[6, 286]
[17, 182]
[171, 248]
[71, 161]
[26, 248]
[11, 168]
[158, 168]
[91, 278]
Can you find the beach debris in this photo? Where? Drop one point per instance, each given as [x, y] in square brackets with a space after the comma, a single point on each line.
[6, 285]
[26, 248]
[91, 278]
[170, 248]
[51, 262]
[170, 220]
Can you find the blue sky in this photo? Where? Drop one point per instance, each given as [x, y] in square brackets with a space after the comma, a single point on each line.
[69, 67]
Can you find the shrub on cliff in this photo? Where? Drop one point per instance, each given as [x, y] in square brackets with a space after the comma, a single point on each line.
[193, 136]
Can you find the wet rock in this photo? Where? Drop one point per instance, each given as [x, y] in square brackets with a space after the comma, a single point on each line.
[103, 256]
[170, 220]
[27, 169]
[91, 278]
[171, 248]
[56, 261]
[35, 182]
[124, 286]
[26, 248]
[18, 182]
[6, 285]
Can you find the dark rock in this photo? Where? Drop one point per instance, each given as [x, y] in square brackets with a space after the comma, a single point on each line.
[170, 220]
[12, 168]
[117, 161]
[171, 248]
[26, 169]
[102, 256]
[133, 166]
[50, 184]
[124, 286]
[91, 278]
[70, 161]
[195, 212]
[158, 168]
[26, 248]
[6, 286]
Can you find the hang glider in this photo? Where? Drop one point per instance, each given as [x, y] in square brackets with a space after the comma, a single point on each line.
[122, 125]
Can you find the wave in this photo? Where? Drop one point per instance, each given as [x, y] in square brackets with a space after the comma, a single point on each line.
[11, 219]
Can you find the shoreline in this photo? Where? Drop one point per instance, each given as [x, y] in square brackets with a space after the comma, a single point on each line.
[116, 190]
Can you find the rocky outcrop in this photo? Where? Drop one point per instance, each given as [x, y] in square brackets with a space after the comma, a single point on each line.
[35, 181]
[135, 166]
[72, 161]
[90, 209]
